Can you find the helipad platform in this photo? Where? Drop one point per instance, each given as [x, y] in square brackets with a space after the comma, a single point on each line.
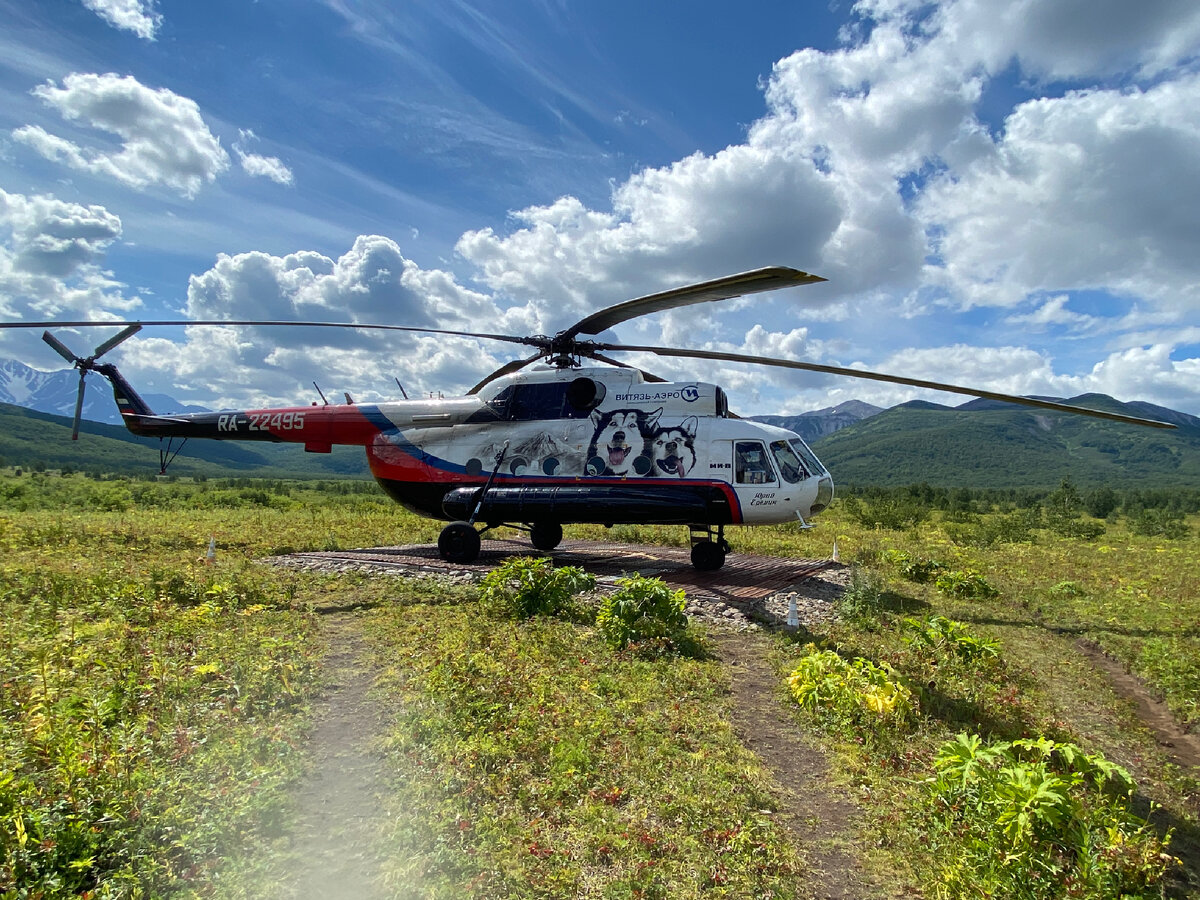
[743, 578]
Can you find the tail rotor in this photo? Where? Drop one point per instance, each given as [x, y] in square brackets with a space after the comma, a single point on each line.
[86, 365]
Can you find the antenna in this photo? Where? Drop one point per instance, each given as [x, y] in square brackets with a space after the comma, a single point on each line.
[402, 390]
[349, 399]
[326, 402]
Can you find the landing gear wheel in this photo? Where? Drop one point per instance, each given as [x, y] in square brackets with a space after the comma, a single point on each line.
[708, 556]
[545, 536]
[459, 543]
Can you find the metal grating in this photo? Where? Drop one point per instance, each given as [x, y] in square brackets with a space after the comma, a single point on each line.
[744, 577]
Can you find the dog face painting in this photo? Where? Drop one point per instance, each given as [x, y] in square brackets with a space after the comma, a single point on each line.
[619, 443]
[673, 449]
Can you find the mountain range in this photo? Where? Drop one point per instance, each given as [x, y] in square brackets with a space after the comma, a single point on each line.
[55, 392]
[991, 444]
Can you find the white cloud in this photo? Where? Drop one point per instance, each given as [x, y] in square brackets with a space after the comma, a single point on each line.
[1097, 189]
[265, 167]
[1063, 39]
[138, 16]
[1054, 312]
[371, 282]
[51, 257]
[164, 139]
[258, 166]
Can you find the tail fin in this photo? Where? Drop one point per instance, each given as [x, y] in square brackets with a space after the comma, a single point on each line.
[129, 403]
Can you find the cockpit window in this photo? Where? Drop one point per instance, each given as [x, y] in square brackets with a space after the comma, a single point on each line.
[811, 463]
[750, 463]
[790, 465]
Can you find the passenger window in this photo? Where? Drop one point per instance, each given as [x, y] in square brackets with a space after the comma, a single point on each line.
[750, 463]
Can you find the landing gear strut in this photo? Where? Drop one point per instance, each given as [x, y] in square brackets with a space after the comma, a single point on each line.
[459, 541]
[708, 547]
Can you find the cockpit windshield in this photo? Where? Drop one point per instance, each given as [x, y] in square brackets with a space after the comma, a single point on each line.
[811, 463]
[791, 467]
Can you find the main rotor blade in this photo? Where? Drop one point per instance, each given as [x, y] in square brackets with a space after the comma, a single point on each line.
[78, 406]
[648, 376]
[507, 369]
[60, 348]
[891, 379]
[122, 335]
[771, 278]
[508, 338]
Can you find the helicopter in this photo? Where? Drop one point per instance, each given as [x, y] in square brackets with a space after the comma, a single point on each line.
[553, 439]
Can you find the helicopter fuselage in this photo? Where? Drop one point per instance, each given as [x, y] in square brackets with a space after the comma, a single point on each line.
[550, 445]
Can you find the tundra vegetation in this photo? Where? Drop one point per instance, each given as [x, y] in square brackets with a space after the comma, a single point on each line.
[549, 740]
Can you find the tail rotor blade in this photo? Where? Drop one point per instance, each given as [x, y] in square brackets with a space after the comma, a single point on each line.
[60, 348]
[120, 336]
[78, 406]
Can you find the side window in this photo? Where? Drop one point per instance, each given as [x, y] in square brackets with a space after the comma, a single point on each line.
[549, 400]
[750, 465]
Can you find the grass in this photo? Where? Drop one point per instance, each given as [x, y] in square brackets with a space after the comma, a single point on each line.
[154, 708]
[532, 761]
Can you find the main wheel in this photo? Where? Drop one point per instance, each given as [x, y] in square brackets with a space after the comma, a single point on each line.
[459, 543]
[545, 536]
[708, 556]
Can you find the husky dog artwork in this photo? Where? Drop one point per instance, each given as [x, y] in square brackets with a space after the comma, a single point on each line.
[620, 443]
[672, 448]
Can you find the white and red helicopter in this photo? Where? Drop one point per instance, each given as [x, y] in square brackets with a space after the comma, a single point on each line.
[562, 443]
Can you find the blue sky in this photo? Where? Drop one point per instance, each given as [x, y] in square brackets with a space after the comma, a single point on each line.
[1002, 193]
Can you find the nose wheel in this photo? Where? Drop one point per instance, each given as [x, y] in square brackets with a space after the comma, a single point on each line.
[708, 547]
[545, 536]
[459, 543]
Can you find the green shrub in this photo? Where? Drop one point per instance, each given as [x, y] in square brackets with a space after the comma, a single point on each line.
[914, 568]
[1160, 523]
[855, 694]
[530, 586]
[1036, 819]
[942, 636]
[894, 513]
[966, 585]
[863, 596]
[642, 610]
[1066, 590]
[1016, 527]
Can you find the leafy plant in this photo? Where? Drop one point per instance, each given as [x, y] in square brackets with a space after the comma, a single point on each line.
[642, 610]
[942, 635]
[1036, 819]
[850, 693]
[527, 586]
[966, 585]
[914, 568]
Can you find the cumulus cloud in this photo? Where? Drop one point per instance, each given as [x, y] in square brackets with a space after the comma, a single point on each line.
[51, 259]
[1067, 198]
[164, 139]
[872, 165]
[370, 282]
[138, 16]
